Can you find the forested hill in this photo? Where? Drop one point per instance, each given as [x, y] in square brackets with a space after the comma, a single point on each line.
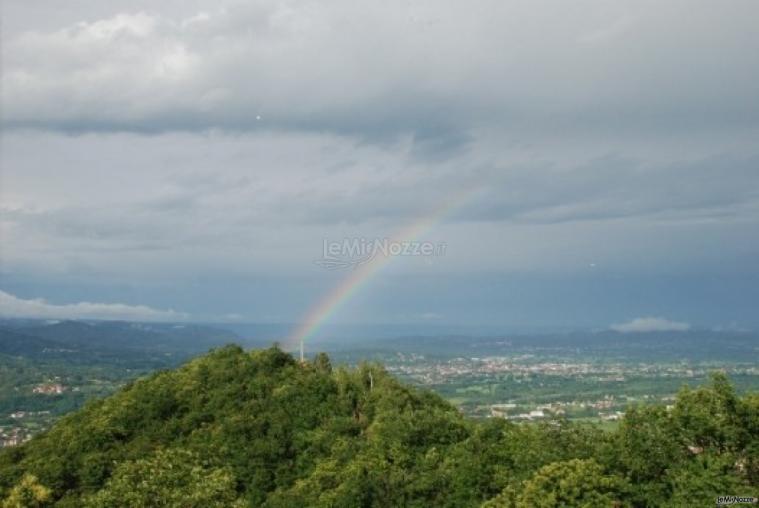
[237, 428]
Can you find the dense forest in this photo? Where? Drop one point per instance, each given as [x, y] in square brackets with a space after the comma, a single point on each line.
[236, 428]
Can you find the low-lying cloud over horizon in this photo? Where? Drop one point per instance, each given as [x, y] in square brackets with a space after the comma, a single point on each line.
[14, 307]
[196, 155]
[651, 324]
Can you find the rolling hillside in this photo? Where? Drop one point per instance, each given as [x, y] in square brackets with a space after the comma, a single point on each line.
[257, 428]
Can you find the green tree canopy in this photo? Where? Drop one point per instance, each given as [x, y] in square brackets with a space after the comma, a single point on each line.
[28, 493]
[173, 478]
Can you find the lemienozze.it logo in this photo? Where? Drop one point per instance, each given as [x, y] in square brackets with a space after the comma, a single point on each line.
[354, 252]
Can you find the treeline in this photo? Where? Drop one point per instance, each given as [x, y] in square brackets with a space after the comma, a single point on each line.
[236, 428]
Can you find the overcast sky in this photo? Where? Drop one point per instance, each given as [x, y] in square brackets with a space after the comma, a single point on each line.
[185, 160]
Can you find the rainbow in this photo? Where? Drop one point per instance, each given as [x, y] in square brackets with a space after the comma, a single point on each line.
[361, 274]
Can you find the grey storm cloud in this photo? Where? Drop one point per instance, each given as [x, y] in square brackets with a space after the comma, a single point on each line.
[163, 142]
[433, 69]
[195, 206]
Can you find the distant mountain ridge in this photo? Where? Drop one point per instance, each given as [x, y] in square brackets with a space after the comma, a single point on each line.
[671, 345]
[15, 343]
[109, 336]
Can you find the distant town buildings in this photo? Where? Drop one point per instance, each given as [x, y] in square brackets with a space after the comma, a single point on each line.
[554, 410]
[13, 437]
[49, 388]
